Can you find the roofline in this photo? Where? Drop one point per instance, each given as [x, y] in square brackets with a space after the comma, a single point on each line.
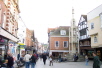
[94, 8]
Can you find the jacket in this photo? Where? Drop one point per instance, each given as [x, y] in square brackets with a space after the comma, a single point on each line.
[27, 57]
[33, 59]
[96, 62]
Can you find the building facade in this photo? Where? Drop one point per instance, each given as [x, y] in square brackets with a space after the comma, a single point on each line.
[58, 39]
[95, 29]
[9, 11]
[84, 38]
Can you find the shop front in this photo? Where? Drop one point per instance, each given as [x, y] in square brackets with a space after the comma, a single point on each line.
[87, 51]
[5, 38]
[3, 45]
[99, 52]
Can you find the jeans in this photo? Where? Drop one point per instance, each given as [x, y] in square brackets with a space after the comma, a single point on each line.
[86, 62]
[10, 67]
[32, 65]
[27, 64]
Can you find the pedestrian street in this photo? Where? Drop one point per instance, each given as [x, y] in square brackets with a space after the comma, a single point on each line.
[40, 64]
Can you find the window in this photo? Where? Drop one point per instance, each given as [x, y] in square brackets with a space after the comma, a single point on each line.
[92, 25]
[4, 20]
[57, 44]
[63, 32]
[83, 32]
[101, 19]
[65, 43]
[95, 39]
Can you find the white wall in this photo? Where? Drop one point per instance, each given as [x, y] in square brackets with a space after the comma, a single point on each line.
[21, 31]
[94, 13]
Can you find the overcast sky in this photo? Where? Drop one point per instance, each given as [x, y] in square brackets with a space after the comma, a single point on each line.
[40, 15]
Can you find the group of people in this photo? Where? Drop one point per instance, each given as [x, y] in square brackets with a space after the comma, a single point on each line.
[31, 59]
[7, 61]
[44, 57]
[96, 60]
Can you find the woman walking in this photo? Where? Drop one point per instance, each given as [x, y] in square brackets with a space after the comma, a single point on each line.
[51, 60]
[86, 60]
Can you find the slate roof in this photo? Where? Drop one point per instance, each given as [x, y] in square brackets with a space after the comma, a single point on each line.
[56, 32]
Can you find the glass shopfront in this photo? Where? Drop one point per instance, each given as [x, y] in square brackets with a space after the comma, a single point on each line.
[3, 45]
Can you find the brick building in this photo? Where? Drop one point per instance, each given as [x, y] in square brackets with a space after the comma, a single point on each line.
[58, 39]
[9, 11]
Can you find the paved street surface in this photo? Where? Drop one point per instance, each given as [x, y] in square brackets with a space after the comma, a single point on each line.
[62, 65]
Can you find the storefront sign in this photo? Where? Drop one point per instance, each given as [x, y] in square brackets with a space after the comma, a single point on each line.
[3, 40]
[8, 35]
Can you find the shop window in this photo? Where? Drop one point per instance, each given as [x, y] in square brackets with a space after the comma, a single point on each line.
[95, 39]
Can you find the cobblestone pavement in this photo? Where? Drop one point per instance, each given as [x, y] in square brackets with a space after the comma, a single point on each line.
[40, 64]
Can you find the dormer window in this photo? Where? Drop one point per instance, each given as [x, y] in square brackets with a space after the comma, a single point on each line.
[63, 32]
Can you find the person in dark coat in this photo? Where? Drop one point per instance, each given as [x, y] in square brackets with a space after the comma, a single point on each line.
[10, 61]
[44, 58]
[33, 61]
[96, 61]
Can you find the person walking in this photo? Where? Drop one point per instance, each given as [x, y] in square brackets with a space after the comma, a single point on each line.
[33, 61]
[51, 60]
[44, 58]
[27, 61]
[10, 61]
[86, 60]
[96, 61]
[59, 58]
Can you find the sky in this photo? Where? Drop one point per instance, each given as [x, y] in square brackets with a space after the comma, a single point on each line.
[39, 15]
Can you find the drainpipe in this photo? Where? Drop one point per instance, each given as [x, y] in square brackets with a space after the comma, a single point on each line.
[69, 40]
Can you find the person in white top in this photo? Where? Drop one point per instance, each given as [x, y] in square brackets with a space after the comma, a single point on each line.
[27, 61]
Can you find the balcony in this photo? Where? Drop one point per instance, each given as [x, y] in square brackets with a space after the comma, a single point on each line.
[85, 45]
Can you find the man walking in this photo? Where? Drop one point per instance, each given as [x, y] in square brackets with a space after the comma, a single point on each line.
[10, 61]
[44, 58]
[27, 61]
[96, 61]
[33, 61]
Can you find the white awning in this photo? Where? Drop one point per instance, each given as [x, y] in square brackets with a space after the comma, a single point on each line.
[8, 35]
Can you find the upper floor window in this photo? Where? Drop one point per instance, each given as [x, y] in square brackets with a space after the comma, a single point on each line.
[63, 32]
[56, 43]
[95, 39]
[65, 43]
[101, 19]
[92, 25]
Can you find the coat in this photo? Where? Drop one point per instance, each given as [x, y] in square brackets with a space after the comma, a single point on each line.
[96, 62]
[33, 59]
[44, 57]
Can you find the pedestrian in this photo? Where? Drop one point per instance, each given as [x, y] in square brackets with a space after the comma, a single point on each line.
[10, 61]
[0, 58]
[33, 61]
[86, 60]
[51, 60]
[44, 58]
[40, 56]
[59, 58]
[18, 56]
[74, 58]
[27, 61]
[96, 61]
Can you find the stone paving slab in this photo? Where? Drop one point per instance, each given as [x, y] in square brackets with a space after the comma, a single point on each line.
[40, 64]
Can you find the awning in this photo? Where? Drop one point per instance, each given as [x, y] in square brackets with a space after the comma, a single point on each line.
[8, 35]
[20, 43]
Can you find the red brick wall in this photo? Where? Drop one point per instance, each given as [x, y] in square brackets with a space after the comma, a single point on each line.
[60, 39]
[3, 8]
[28, 37]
